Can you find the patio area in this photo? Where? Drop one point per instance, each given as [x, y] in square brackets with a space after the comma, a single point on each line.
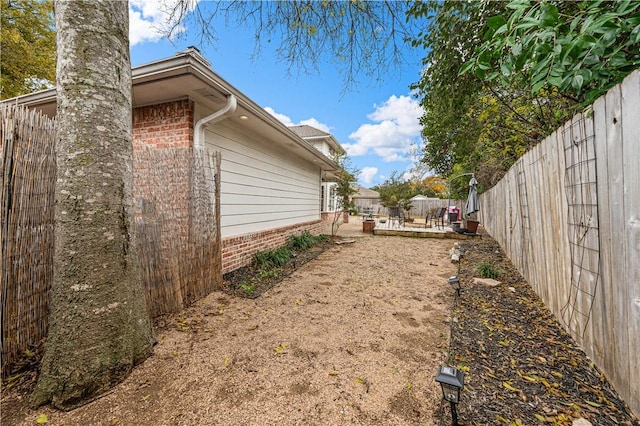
[416, 229]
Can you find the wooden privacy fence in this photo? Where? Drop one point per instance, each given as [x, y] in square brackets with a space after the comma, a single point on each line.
[568, 216]
[177, 227]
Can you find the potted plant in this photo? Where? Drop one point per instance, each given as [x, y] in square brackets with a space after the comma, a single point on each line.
[406, 206]
[471, 223]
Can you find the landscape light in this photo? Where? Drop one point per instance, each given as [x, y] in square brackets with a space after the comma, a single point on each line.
[454, 281]
[452, 382]
[293, 257]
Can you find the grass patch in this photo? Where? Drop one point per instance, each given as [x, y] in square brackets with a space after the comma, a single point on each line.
[487, 270]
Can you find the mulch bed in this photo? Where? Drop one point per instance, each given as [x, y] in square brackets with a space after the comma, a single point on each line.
[251, 282]
[521, 367]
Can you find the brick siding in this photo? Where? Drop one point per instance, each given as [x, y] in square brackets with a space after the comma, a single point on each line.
[237, 251]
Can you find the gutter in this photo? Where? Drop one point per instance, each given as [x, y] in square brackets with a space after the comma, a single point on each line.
[221, 114]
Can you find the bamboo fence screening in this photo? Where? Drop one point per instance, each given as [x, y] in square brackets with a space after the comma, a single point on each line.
[177, 227]
[26, 233]
[568, 216]
[178, 231]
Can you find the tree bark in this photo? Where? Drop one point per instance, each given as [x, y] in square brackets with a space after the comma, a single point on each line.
[99, 326]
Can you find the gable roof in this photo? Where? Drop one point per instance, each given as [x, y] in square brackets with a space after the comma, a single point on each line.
[365, 193]
[311, 134]
[187, 75]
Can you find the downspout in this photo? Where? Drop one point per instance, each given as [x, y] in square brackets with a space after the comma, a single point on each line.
[198, 132]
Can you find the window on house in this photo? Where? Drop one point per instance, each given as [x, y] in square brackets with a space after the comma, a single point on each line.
[332, 199]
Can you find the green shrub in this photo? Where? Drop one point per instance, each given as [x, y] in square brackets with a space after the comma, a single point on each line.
[272, 258]
[267, 274]
[486, 270]
[302, 241]
[248, 287]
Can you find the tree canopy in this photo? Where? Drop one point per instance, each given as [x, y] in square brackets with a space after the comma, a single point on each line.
[28, 46]
[534, 64]
[580, 49]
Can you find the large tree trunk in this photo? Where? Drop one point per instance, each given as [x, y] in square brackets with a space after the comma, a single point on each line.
[99, 326]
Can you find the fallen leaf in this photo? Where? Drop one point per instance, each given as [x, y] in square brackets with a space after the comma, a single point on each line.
[42, 419]
[507, 385]
[280, 348]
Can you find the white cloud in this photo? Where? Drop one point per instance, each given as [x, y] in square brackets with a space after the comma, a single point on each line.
[283, 118]
[396, 129]
[150, 20]
[367, 174]
[288, 122]
[315, 123]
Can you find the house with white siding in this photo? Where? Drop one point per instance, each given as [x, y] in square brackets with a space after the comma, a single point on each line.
[272, 181]
[329, 146]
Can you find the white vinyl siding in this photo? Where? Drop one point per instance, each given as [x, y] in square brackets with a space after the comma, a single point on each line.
[262, 186]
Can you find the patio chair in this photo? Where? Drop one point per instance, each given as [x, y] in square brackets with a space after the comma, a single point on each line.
[396, 217]
[437, 216]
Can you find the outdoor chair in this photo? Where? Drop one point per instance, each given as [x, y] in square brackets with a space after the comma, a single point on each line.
[437, 216]
[396, 217]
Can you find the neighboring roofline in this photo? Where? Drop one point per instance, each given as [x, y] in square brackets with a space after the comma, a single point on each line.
[330, 140]
[191, 62]
[320, 135]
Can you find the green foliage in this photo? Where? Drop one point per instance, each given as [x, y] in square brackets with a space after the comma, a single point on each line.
[472, 125]
[486, 270]
[28, 46]
[581, 49]
[266, 274]
[345, 178]
[272, 258]
[248, 287]
[305, 241]
[395, 191]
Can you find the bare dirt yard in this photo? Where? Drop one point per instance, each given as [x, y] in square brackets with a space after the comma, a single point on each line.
[352, 337]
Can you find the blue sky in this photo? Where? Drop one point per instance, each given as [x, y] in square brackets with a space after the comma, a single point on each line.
[377, 123]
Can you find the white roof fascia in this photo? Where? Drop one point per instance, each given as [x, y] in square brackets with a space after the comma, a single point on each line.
[185, 63]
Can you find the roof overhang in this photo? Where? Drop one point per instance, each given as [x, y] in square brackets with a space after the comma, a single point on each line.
[188, 76]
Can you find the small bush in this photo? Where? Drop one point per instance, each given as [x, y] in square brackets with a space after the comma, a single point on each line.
[272, 258]
[486, 270]
[248, 287]
[265, 274]
[302, 241]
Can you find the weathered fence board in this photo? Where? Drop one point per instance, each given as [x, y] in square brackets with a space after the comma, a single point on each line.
[631, 170]
[568, 215]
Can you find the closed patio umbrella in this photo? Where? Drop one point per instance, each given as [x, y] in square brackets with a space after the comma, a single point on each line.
[473, 204]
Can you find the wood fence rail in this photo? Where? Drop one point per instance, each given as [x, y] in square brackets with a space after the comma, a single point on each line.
[568, 216]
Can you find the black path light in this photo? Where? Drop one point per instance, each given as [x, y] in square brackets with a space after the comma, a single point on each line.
[452, 382]
[454, 281]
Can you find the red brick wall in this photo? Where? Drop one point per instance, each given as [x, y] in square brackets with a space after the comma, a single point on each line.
[237, 251]
[162, 161]
[168, 125]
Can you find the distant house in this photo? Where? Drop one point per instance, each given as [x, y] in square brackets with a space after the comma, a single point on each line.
[329, 146]
[273, 181]
[366, 200]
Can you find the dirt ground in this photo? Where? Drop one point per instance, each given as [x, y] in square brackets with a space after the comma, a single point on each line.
[352, 337]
